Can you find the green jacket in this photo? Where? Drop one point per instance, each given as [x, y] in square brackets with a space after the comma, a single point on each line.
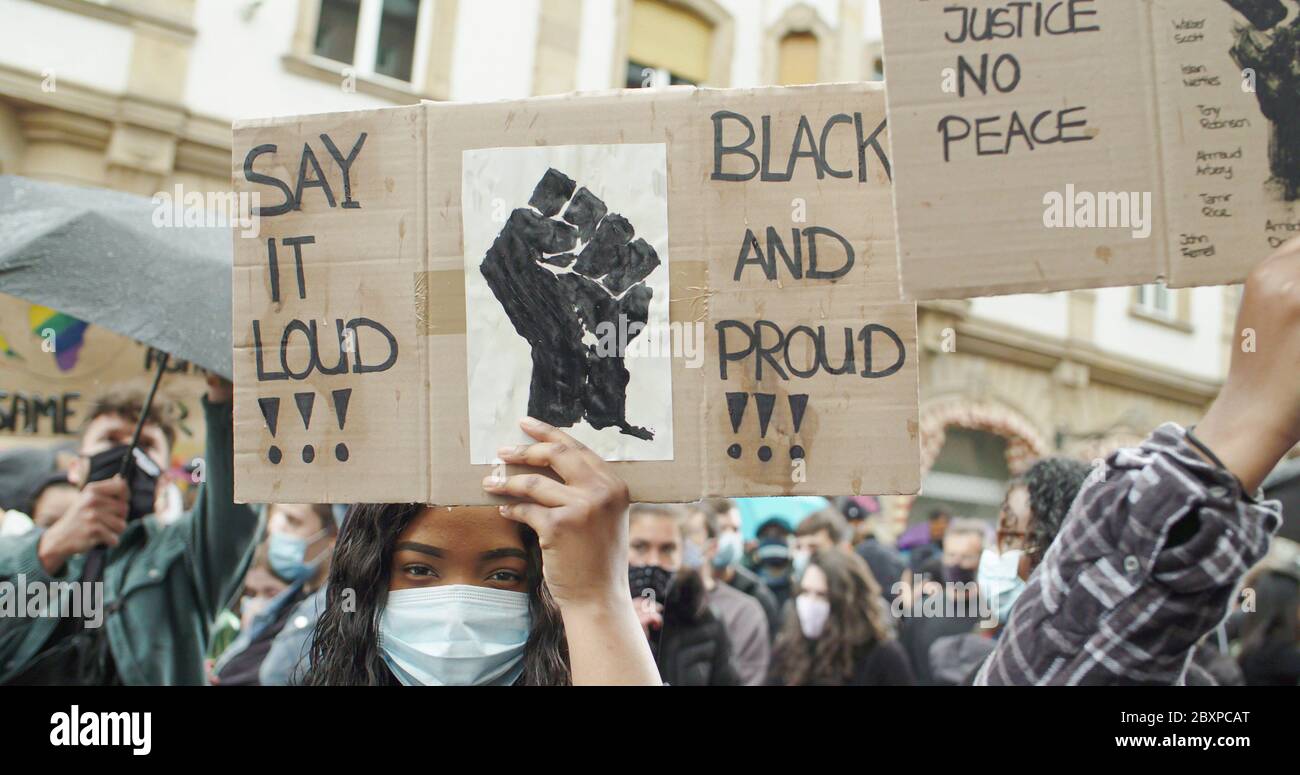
[163, 584]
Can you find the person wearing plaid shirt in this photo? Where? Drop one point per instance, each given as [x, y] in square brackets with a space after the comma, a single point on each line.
[1149, 559]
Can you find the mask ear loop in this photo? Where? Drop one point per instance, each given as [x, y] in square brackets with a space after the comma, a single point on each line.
[94, 569]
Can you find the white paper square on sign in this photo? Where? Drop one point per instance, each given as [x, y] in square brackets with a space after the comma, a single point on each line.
[566, 296]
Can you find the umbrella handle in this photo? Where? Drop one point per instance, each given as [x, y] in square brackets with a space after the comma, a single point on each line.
[94, 570]
[144, 413]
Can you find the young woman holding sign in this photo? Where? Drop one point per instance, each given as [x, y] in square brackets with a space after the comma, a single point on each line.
[533, 593]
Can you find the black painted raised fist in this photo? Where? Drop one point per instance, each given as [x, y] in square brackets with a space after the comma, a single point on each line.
[1270, 47]
[570, 276]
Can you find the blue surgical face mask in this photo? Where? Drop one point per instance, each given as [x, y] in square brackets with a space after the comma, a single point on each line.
[730, 547]
[455, 635]
[999, 580]
[287, 555]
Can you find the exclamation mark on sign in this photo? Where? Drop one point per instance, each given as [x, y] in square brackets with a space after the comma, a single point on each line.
[305, 402]
[341, 398]
[736, 403]
[765, 403]
[271, 413]
[798, 403]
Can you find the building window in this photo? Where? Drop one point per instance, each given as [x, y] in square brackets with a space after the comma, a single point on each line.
[643, 76]
[799, 57]
[377, 37]
[1156, 301]
[667, 45]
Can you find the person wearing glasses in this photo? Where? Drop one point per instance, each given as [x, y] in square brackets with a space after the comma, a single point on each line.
[1033, 511]
[1150, 556]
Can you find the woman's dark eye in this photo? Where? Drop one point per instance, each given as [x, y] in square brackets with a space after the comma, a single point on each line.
[506, 577]
[419, 570]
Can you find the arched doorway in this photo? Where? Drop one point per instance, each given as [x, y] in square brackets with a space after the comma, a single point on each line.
[968, 452]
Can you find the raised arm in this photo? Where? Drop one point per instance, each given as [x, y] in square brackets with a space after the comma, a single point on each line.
[581, 526]
[1158, 539]
[220, 532]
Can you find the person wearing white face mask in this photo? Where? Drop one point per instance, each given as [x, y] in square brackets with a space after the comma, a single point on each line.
[534, 592]
[1033, 511]
[834, 634]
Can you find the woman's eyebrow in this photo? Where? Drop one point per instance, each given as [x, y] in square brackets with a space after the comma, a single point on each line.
[496, 554]
[421, 548]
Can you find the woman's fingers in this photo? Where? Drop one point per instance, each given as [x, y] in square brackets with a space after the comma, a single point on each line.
[531, 514]
[531, 487]
[544, 432]
[559, 456]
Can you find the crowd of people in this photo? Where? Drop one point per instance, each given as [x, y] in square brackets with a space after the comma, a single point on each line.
[1155, 566]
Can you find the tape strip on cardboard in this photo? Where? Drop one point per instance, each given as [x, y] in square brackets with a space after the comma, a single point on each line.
[440, 297]
[440, 302]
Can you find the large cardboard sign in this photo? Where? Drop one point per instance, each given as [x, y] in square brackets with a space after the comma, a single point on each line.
[700, 285]
[1061, 144]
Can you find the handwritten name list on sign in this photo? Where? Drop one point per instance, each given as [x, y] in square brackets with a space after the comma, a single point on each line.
[326, 402]
[1057, 144]
[700, 285]
[1230, 115]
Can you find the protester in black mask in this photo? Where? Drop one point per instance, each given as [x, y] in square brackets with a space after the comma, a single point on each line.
[689, 642]
[179, 575]
[946, 604]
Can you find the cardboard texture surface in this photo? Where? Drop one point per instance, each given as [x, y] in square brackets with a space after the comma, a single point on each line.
[1008, 117]
[796, 378]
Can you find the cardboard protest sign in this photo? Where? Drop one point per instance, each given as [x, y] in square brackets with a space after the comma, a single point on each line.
[1061, 144]
[55, 365]
[700, 285]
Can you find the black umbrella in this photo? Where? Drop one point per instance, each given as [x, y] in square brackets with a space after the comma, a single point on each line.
[97, 255]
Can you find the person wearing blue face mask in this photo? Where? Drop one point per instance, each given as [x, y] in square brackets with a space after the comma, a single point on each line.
[267, 651]
[727, 564]
[742, 616]
[299, 540]
[534, 592]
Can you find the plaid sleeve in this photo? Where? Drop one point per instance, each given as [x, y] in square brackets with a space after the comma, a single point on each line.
[1147, 562]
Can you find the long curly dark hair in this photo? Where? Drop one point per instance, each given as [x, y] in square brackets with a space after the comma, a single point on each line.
[345, 646]
[855, 626]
